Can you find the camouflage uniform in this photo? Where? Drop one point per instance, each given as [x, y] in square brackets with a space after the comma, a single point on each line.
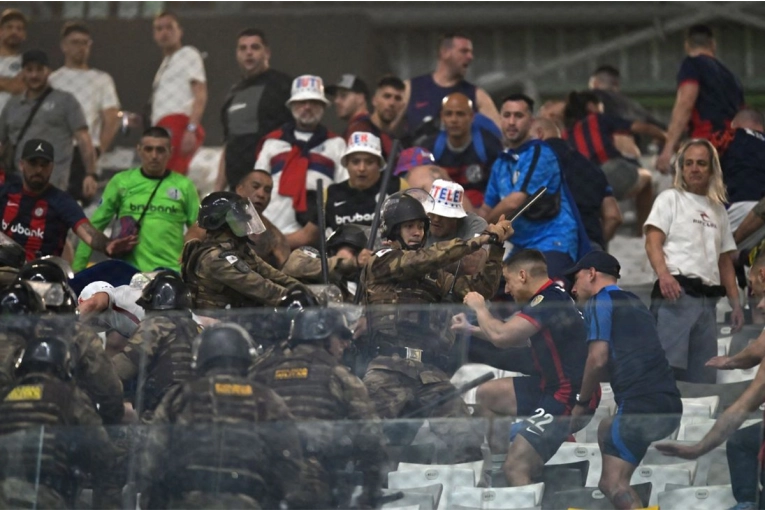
[414, 341]
[165, 343]
[316, 386]
[222, 441]
[304, 264]
[223, 270]
[42, 400]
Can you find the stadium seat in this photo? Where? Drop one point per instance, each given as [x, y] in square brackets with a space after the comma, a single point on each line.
[575, 453]
[701, 406]
[734, 376]
[449, 476]
[659, 476]
[588, 498]
[499, 498]
[723, 346]
[426, 498]
[476, 466]
[697, 498]
[728, 393]
[565, 477]
[711, 469]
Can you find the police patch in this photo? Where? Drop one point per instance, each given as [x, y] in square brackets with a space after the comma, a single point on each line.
[237, 390]
[382, 252]
[240, 265]
[310, 251]
[537, 300]
[25, 393]
[291, 373]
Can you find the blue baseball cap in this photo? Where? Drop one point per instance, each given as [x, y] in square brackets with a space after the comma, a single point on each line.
[601, 261]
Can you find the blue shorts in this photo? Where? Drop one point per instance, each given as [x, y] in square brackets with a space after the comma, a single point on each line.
[640, 421]
[547, 424]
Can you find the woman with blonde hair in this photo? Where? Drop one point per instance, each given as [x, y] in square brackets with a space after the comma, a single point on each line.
[690, 245]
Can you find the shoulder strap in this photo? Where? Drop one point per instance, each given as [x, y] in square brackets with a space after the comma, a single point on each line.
[32, 114]
[532, 167]
[146, 208]
[439, 145]
[478, 145]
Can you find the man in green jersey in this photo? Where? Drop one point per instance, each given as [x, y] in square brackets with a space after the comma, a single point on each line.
[170, 201]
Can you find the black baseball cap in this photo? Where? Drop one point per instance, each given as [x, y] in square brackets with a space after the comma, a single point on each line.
[36, 148]
[601, 261]
[349, 82]
[38, 56]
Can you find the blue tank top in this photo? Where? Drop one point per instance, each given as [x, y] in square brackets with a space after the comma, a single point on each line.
[425, 98]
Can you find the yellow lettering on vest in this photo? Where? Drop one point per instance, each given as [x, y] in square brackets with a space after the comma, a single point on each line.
[25, 393]
[291, 373]
[237, 390]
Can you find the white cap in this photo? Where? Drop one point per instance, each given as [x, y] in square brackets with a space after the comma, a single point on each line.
[94, 288]
[448, 199]
[363, 142]
[307, 88]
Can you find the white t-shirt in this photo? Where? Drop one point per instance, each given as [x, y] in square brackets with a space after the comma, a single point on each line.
[94, 91]
[325, 165]
[698, 232]
[172, 83]
[9, 67]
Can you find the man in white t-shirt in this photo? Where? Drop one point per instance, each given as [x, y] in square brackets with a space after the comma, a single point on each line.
[690, 245]
[13, 33]
[297, 155]
[94, 91]
[179, 94]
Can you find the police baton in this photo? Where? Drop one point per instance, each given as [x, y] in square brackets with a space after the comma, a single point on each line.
[455, 393]
[322, 231]
[528, 203]
[387, 172]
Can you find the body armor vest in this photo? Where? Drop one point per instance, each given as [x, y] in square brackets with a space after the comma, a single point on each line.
[36, 411]
[172, 361]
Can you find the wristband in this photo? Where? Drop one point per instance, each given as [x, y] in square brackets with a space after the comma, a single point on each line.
[582, 402]
[191, 127]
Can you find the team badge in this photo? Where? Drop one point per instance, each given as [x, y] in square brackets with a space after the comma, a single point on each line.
[474, 173]
[39, 212]
[174, 193]
[537, 300]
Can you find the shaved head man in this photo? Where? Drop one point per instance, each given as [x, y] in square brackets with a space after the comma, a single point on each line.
[456, 117]
[544, 128]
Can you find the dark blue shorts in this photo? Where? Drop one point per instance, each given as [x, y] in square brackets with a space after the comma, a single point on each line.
[640, 421]
[547, 422]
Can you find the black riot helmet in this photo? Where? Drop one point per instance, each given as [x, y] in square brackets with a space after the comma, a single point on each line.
[224, 344]
[20, 299]
[49, 277]
[11, 253]
[347, 235]
[298, 297]
[44, 270]
[46, 354]
[226, 209]
[165, 292]
[318, 324]
[408, 205]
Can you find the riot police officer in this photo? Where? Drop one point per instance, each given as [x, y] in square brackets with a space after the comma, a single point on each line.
[12, 258]
[158, 355]
[233, 443]
[19, 305]
[93, 370]
[44, 401]
[321, 392]
[346, 252]
[223, 270]
[410, 342]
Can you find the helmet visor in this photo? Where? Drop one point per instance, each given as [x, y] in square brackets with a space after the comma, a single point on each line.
[243, 219]
[52, 294]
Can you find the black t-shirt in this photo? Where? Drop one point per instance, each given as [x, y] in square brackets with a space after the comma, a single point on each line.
[347, 205]
[742, 153]
[588, 185]
[559, 348]
[254, 107]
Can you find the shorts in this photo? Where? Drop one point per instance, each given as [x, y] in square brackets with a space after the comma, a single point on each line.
[640, 421]
[176, 125]
[622, 175]
[548, 423]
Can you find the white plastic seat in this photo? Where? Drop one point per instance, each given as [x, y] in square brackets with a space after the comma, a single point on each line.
[426, 497]
[723, 345]
[659, 476]
[449, 476]
[476, 466]
[714, 497]
[571, 453]
[499, 498]
[734, 376]
[695, 406]
[469, 372]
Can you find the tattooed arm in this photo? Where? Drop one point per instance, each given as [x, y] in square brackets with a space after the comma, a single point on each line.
[99, 242]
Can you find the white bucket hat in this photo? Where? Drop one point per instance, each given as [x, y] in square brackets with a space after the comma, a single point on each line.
[448, 199]
[306, 88]
[363, 142]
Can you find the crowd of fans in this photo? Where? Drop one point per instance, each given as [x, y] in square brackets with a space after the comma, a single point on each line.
[470, 166]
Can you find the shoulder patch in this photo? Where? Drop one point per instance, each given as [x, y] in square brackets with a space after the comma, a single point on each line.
[382, 252]
[291, 373]
[235, 261]
[537, 300]
[236, 390]
[25, 393]
[310, 251]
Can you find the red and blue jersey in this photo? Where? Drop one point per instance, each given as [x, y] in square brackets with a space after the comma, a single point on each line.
[593, 136]
[39, 222]
[720, 97]
[559, 348]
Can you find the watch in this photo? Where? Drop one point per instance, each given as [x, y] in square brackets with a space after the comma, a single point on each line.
[582, 402]
[191, 127]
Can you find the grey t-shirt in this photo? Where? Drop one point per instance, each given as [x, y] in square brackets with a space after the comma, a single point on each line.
[467, 228]
[56, 121]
